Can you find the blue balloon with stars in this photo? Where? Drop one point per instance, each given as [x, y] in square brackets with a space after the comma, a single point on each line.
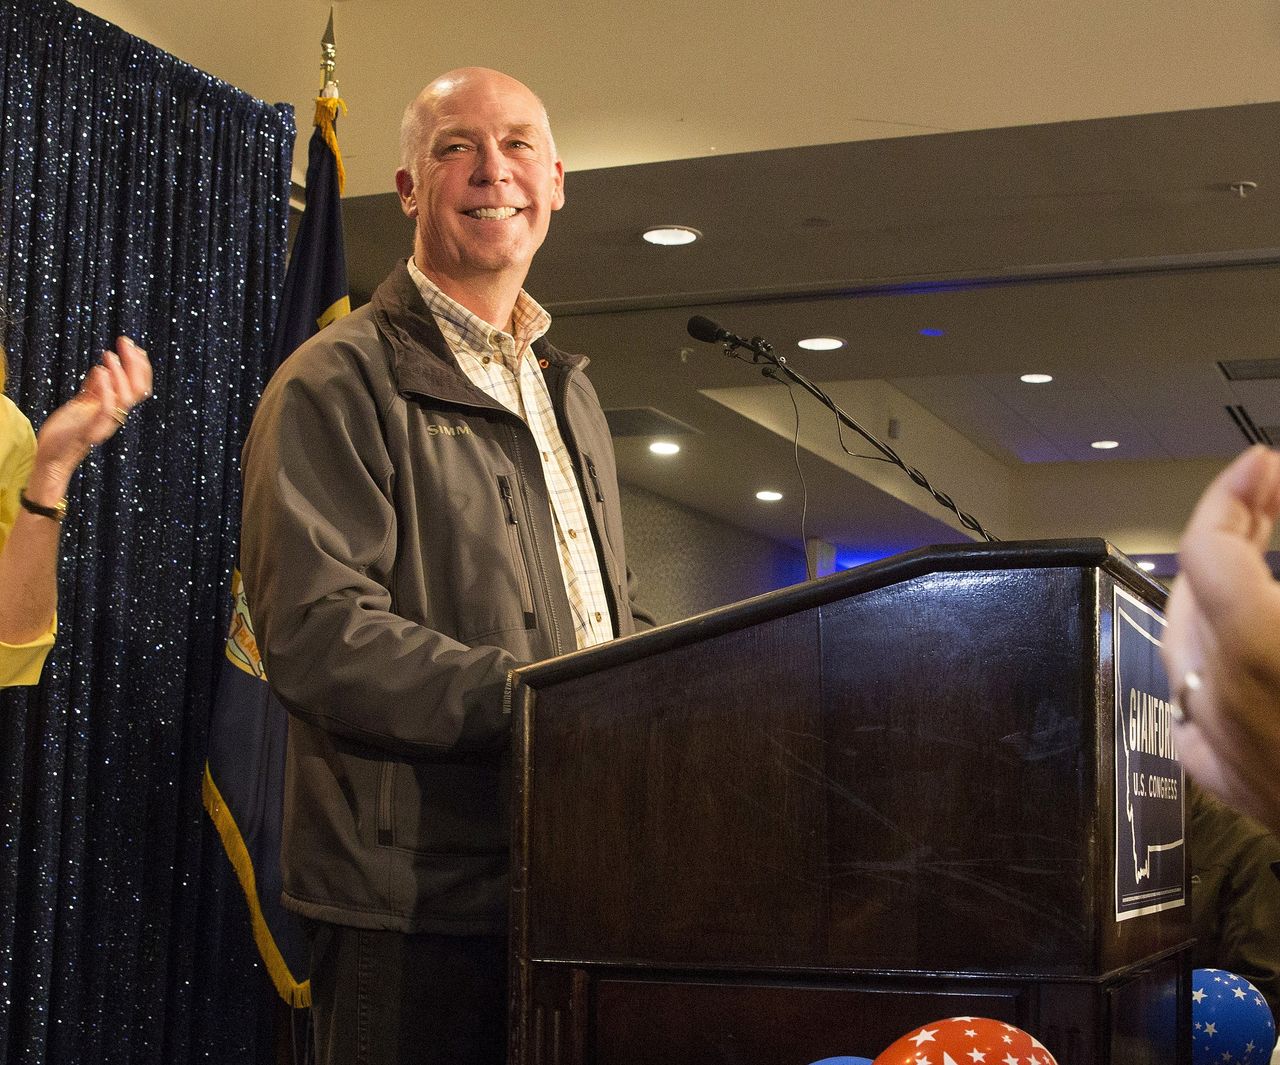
[1231, 1023]
[843, 1060]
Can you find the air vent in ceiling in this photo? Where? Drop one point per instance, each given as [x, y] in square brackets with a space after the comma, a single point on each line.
[1252, 433]
[1250, 369]
[645, 421]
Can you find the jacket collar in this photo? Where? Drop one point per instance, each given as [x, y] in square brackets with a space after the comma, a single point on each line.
[421, 361]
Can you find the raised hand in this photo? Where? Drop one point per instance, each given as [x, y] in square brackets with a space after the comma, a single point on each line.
[93, 415]
[1222, 645]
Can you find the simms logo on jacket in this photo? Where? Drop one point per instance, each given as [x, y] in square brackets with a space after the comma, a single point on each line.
[448, 430]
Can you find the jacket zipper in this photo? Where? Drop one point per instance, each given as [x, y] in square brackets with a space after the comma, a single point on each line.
[517, 552]
[595, 481]
[602, 532]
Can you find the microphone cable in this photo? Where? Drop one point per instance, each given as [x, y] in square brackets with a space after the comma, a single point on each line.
[703, 328]
[804, 485]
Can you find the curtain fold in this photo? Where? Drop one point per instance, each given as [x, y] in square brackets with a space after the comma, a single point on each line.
[140, 196]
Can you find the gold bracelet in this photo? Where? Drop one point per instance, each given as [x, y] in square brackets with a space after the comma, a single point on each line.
[56, 512]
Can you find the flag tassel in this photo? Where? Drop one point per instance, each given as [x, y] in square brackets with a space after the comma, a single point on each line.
[298, 995]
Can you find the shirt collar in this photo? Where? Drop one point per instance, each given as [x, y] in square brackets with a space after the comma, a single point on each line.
[530, 319]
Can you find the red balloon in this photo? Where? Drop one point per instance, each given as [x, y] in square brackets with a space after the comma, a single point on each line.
[966, 1041]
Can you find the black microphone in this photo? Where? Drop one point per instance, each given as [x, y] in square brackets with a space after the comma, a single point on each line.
[701, 328]
[705, 329]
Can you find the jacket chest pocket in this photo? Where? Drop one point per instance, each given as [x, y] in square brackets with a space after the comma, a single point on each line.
[511, 510]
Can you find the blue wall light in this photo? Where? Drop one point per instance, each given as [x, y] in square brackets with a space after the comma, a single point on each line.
[848, 559]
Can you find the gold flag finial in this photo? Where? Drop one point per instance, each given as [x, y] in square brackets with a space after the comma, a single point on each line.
[328, 61]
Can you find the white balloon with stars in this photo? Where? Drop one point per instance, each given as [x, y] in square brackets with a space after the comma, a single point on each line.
[1231, 1023]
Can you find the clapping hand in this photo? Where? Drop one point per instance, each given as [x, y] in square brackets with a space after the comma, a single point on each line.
[93, 415]
[1222, 645]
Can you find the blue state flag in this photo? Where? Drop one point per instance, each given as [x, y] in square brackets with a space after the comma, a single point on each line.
[248, 731]
[315, 286]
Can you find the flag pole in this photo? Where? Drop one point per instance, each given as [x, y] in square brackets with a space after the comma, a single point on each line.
[243, 787]
[329, 102]
[328, 62]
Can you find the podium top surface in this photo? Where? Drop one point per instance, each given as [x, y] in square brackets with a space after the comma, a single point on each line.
[1093, 553]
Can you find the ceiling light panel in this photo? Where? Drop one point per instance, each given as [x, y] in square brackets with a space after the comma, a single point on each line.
[671, 236]
[820, 343]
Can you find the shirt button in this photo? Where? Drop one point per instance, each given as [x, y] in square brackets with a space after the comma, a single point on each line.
[598, 617]
[546, 457]
[573, 534]
[486, 360]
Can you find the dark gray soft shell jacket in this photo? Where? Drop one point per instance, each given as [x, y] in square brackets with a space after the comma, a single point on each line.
[399, 559]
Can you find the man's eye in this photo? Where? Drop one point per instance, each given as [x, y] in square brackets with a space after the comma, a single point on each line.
[453, 148]
[521, 144]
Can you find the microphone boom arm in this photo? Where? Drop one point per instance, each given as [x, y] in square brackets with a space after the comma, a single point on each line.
[762, 352]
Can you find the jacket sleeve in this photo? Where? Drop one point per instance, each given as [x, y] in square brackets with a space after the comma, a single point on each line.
[20, 664]
[317, 549]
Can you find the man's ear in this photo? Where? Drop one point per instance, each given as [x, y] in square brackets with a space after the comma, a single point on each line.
[404, 186]
[557, 196]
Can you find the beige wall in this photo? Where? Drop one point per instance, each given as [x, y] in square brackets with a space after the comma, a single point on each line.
[687, 562]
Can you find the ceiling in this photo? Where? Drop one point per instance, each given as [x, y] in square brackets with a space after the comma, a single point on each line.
[1047, 185]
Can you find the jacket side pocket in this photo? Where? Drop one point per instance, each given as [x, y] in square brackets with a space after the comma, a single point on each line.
[386, 816]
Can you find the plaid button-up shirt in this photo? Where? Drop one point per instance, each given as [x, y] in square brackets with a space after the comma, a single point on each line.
[505, 368]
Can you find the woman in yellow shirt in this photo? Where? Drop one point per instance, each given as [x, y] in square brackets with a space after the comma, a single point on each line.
[35, 472]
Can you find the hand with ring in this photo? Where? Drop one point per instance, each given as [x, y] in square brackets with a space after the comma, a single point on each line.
[110, 390]
[1222, 645]
[29, 554]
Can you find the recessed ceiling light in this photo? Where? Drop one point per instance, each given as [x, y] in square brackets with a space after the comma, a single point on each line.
[768, 496]
[1146, 567]
[1105, 445]
[1036, 378]
[665, 447]
[671, 235]
[932, 331]
[820, 343]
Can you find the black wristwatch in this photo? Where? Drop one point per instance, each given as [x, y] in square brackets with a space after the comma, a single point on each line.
[56, 512]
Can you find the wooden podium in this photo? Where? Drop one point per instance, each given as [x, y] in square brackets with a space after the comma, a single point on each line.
[804, 824]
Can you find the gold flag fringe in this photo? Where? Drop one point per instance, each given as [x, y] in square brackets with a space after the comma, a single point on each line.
[294, 993]
[327, 108]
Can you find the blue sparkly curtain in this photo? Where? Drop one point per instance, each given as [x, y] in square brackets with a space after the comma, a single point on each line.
[137, 196]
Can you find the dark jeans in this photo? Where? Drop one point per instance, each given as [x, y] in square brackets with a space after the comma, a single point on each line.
[387, 998]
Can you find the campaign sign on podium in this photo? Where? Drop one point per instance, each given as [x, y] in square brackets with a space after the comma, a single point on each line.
[1151, 852]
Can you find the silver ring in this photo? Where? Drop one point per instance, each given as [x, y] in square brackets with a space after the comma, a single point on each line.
[1191, 682]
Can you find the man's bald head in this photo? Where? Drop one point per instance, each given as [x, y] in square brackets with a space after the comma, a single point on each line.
[422, 114]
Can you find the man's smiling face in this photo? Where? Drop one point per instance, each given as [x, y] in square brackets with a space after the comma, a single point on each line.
[484, 180]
